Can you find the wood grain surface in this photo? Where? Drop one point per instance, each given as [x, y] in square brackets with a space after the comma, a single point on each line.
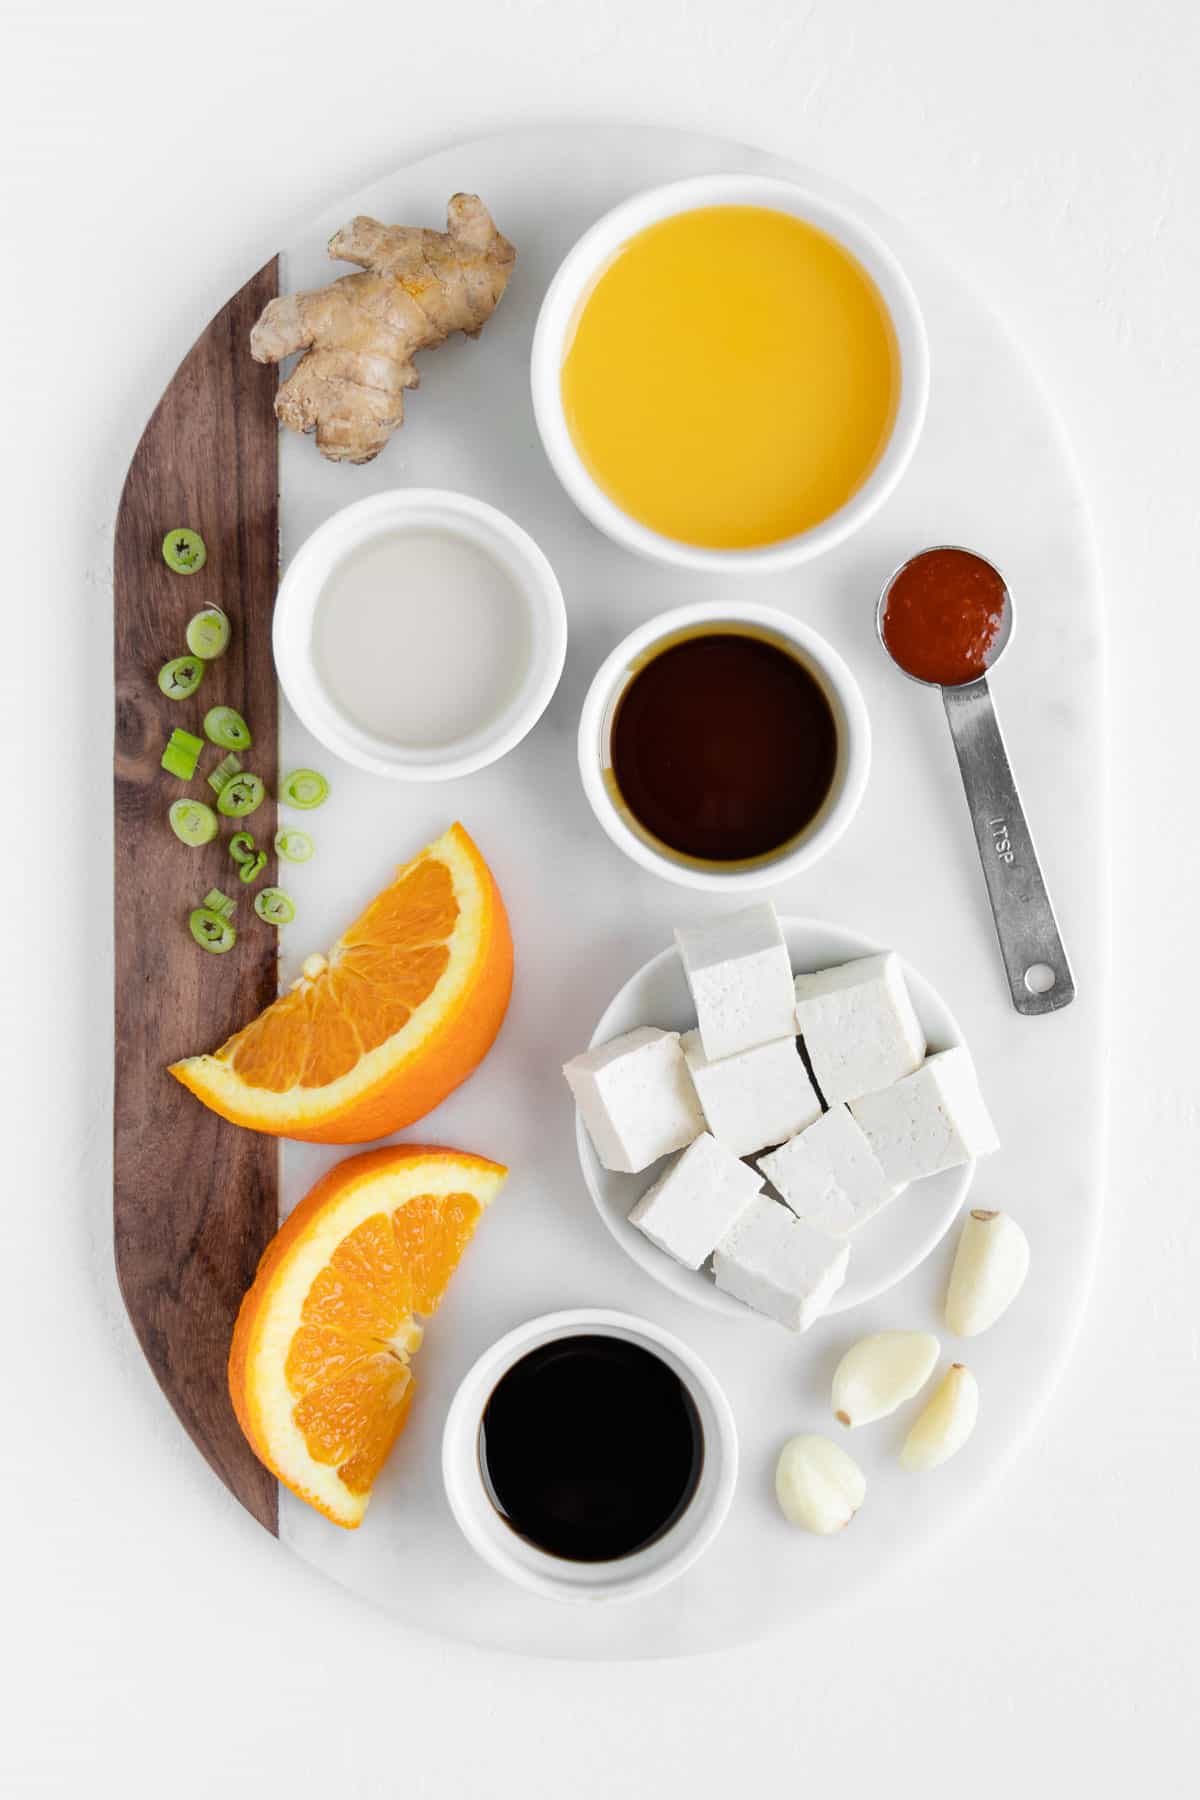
[195, 1199]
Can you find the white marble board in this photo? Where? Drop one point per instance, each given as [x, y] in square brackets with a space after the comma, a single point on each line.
[993, 471]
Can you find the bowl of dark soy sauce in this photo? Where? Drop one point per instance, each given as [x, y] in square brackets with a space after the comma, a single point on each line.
[590, 1455]
[724, 746]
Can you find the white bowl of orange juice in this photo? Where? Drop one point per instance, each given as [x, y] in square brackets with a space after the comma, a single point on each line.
[730, 373]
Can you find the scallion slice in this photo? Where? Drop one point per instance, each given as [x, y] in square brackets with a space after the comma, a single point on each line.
[242, 847]
[181, 754]
[293, 845]
[216, 901]
[180, 677]
[192, 822]
[240, 796]
[304, 788]
[274, 907]
[184, 551]
[211, 930]
[226, 727]
[226, 769]
[208, 634]
[250, 871]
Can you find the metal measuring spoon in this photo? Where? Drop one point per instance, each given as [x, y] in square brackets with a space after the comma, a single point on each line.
[1039, 975]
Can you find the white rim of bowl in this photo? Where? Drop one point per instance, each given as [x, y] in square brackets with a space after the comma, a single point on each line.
[584, 263]
[854, 737]
[646, 1570]
[415, 508]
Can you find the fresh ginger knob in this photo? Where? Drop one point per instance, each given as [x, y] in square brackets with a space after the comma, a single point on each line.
[361, 332]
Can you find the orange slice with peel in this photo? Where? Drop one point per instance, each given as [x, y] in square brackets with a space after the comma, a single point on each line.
[376, 1034]
[320, 1369]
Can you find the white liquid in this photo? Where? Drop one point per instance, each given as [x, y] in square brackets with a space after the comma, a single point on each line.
[421, 638]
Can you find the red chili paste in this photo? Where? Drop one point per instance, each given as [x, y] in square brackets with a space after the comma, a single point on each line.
[943, 615]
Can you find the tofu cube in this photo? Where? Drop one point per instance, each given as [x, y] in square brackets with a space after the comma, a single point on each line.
[740, 976]
[780, 1266]
[699, 1199]
[934, 1119]
[859, 1028]
[830, 1175]
[636, 1098]
[756, 1099]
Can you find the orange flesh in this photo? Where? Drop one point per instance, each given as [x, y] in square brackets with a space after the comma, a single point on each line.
[389, 962]
[352, 1388]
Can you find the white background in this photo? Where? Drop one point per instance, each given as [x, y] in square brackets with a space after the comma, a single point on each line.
[155, 1642]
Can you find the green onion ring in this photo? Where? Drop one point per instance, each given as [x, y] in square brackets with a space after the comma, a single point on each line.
[274, 907]
[208, 634]
[293, 845]
[304, 788]
[192, 822]
[179, 678]
[240, 796]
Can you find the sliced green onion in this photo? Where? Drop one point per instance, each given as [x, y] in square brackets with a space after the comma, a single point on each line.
[250, 871]
[180, 677]
[293, 845]
[226, 769]
[208, 634]
[216, 901]
[224, 726]
[192, 822]
[240, 796]
[211, 930]
[242, 847]
[181, 754]
[304, 788]
[274, 907]
[184, 551]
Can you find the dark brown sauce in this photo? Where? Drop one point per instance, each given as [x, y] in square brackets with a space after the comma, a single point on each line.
[724, 746]
[591, 1448]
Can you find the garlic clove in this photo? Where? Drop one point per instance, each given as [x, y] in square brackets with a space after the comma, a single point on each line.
[946, 1422]
[880, 1372]
[817, 1485]
[990, 1266]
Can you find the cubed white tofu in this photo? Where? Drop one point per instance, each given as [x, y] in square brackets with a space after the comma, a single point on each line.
[740, 976]
[859, 1028]
[636, 1097]
[699, 1199]
[755, 1099]
[934, 1119]
[829, 1175]
[780, 1266]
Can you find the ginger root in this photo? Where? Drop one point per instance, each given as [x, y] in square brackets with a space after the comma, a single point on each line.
[361, 332]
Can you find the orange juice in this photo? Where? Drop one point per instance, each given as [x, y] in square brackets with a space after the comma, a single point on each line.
[732, 377]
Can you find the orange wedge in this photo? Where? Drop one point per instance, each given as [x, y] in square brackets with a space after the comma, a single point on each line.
[376, 1034]
[320, 1367]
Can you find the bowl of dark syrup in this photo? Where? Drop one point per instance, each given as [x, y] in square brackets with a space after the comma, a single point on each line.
[724, 746]
[590, 1456]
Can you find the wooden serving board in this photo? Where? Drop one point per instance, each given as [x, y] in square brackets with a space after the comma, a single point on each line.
[195, 1200]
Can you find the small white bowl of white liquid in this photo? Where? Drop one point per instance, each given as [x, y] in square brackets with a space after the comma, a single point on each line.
[419, 634]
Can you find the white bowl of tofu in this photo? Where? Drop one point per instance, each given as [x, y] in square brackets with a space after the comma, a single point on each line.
[778, 1117]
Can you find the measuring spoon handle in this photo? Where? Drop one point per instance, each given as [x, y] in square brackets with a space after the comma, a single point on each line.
[1025, 924]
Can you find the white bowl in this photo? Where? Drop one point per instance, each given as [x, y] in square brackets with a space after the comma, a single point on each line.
[646, 1570]
[418, 509]
[850, 772]
[885, 1249]
[580, 268]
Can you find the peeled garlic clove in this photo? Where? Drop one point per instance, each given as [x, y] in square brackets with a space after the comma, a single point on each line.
[880, 1372]
[817, 1485]
[990, 1266]
[946, 1423]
